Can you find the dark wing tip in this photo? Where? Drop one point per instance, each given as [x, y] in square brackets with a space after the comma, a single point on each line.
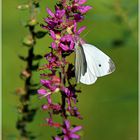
[111, 66]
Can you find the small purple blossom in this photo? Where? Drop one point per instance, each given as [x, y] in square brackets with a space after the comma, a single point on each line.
[67, 43]
[55, 20]
[69, 133]
[51, 57]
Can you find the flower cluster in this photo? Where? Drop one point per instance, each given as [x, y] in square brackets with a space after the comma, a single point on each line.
[63, 23]
[62, 27]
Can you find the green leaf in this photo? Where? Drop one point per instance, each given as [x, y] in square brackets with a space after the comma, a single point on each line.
[36, 3]
[22, 58]
[35, 67]
[33, 91]
[34, 85]
[38, 57]
[31, 115]
[40, 34]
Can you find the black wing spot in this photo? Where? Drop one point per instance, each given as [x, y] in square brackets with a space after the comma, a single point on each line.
[100, 65]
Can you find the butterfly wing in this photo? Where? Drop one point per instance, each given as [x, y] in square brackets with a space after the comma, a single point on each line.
[88, 78]
[98, 63]
[80, 63]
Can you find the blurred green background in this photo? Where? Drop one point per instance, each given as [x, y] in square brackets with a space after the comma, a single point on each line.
[110, 106]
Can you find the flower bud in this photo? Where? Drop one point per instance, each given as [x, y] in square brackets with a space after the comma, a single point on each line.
[32, 22]
[23, 7]
[28, 40]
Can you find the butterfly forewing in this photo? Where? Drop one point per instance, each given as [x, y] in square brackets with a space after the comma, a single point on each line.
[98, 62]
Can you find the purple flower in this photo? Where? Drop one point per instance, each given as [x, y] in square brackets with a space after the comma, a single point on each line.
[50, 84]
[78, 6]
[74, 112]
[55, 20]
[51, 57]
[59, 13]
[70, 93]
[67, 43]
[69, 133]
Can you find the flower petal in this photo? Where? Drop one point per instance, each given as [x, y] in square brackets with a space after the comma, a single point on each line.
[53, 45]
[74, 136]
[67, 124]
[75, 129]
[57, 138]
[75, 27]
[41, 91]
[72, 45]
[66, 138]
[81, 30]
[84, 9]
[49, 99]
[44, 107]
[64, 130]
[60, 13]
[53, 34]
[81, 2]
[50, 12]
[64, 47]
[45, 82]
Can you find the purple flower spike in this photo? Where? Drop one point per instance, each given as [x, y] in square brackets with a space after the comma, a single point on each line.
[58, 72]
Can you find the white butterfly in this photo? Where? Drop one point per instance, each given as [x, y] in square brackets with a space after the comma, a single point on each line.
[91, 63]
